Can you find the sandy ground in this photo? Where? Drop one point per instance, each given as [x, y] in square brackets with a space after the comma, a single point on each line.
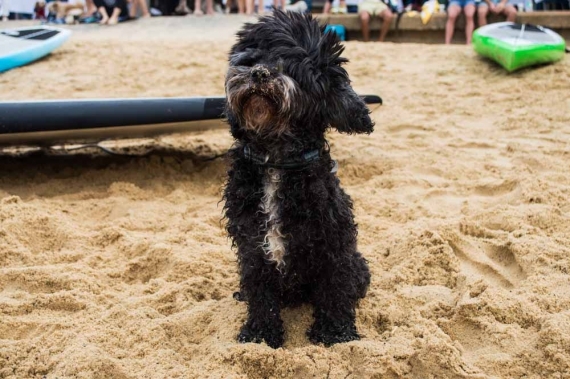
[114, 267]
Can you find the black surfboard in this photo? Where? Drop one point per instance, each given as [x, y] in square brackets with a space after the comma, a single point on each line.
[66, 121]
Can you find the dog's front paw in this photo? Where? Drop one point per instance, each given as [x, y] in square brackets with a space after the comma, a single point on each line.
[329, 334]
[273, 336]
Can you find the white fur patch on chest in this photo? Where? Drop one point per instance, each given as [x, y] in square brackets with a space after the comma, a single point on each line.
[274, 241]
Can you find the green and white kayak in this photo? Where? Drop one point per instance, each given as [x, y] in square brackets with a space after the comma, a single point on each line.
[515, 46]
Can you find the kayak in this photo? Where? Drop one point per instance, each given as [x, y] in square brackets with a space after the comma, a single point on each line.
[515, 46]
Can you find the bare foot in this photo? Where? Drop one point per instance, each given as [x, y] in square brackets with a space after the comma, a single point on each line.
[113, 20]
[198, 12]
[104, 20]
[182, 9]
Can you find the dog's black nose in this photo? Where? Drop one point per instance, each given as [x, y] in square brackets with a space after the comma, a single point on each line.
[260, 73]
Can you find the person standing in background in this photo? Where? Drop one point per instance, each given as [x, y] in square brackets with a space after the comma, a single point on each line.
[137, 5]
[4, 10]
[240, 6]
[198, 7]
[279, 4]
[182, 8]
[250, 6]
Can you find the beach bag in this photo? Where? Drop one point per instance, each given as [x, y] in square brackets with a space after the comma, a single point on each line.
[339, 30]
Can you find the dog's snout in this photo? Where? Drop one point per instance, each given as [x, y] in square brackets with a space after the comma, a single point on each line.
[260, 73]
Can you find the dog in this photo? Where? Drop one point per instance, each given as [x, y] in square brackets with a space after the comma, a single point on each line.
[286, 213]
[61, 10]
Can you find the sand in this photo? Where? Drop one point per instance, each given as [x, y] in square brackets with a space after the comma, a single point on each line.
[119, 267]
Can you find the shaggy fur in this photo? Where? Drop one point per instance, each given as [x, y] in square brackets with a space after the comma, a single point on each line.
[291, 222]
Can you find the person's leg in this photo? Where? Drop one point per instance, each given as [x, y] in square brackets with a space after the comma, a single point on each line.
[4, 10]
[453, 10]
[210, 7]
[386, 15]
[134, 8]
[91, 8]
[469, 11]
[482, 11]
[241, 6]
[249, 7]
[365, 22]
[144, 9]
[511, 12]
[136, 4]
[327, 7]
[300, 7]
[114, 19]
[198, 8]
[104, 15]
[182, 8]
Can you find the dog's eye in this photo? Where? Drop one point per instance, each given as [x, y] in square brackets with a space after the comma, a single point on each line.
[245, 62]
[247, 58]
[241, 59]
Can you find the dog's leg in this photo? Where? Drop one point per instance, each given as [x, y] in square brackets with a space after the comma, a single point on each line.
[334, 300]
[260, 289]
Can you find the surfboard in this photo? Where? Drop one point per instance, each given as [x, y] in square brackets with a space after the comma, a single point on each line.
[21, 46]
[515, 46]
[67, 121]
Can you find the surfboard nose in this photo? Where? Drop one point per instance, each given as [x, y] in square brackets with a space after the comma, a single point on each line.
[21, 46]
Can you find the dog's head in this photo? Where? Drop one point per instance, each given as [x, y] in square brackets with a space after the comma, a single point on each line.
[286, 78]
[53, 7]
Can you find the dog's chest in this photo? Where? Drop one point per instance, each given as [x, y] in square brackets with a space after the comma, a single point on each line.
[274, 241]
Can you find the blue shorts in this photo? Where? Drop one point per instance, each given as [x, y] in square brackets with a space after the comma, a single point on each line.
[460, 3]
[482, 3]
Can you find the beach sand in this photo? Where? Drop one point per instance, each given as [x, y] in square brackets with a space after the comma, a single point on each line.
[119, 267]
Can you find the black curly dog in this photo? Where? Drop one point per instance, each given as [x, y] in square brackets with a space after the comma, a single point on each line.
[286, 213]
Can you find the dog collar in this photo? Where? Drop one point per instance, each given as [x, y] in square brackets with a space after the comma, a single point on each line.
[263, 160]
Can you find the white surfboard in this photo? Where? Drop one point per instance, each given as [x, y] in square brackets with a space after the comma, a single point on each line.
[21, 46]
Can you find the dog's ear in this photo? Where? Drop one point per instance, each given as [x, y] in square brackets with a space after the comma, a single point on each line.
[347, 112]
[233, 122]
